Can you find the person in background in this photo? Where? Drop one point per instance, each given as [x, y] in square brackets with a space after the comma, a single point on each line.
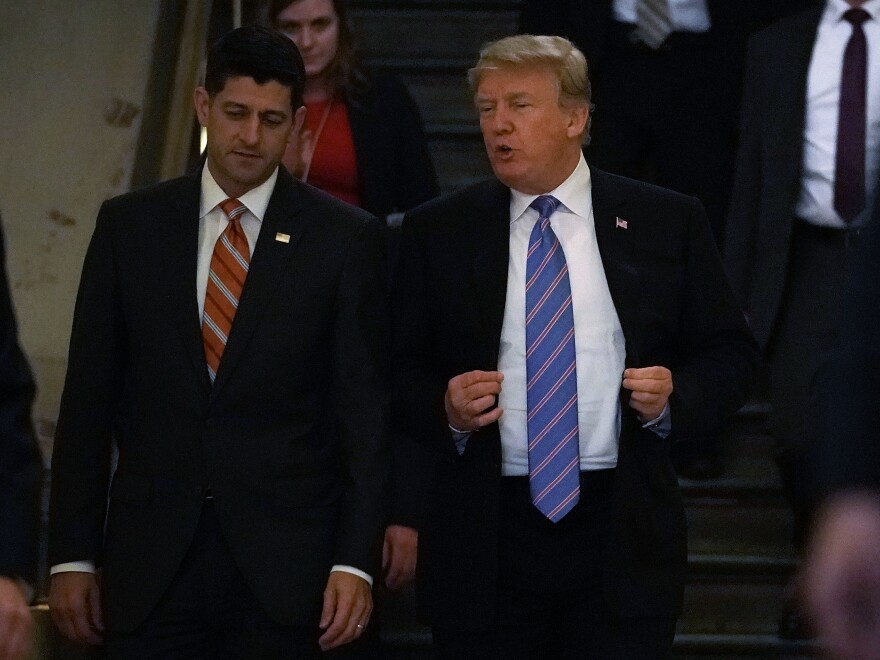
[808, 159]
[363, 136]
[365, 144]
[841, 574]
[20, 472]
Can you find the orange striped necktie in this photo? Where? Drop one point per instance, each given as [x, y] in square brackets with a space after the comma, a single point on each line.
[229, 268]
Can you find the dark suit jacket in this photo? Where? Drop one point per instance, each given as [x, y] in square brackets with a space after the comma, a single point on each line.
[290, 437]
[768, 172]
[396, 174]
[394, 166]
[587, 24]
[675, 308]
[21, 466]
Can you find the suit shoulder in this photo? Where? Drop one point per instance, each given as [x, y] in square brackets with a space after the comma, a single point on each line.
[333, 209]
[154, 193]
[446, 208]
[639, 191]
[779, 34]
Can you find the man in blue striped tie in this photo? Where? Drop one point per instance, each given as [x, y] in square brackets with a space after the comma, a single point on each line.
[555, 331]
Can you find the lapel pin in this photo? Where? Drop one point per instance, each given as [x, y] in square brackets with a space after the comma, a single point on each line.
[620, 223]
[282, 238]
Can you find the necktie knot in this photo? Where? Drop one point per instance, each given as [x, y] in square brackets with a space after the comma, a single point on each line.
[545, 205]
[856, 16]
[232, 208]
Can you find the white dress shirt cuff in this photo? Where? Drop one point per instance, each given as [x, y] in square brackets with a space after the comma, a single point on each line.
[354, 571]
[661, 424]
[73, 567]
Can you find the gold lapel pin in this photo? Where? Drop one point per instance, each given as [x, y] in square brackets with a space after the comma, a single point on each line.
[282, 238]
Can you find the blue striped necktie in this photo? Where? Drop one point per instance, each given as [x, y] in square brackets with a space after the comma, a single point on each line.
[551, 371]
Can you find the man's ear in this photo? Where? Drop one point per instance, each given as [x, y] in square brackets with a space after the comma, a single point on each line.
[202, 103]
[578, 116]
[299, 118]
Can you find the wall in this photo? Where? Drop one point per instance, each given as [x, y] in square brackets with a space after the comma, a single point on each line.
[72, 82]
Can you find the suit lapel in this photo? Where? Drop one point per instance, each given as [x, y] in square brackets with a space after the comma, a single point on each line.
[614, 247]
[183, 248]
[788, 90]
[269, 261]
[489, 261]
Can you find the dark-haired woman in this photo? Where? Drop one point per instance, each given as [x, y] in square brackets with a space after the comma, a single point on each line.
[364, 140]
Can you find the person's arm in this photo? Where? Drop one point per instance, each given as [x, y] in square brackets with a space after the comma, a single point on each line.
[717, 354]
[82, 450]
[359, 396]
[20, 473]
[741, 228]
[21, 465]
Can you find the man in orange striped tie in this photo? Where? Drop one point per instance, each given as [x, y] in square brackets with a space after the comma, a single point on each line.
[227, 339]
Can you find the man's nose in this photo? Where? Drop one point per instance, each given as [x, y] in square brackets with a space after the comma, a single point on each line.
[305, 38]
[250, 130]
[501, 123]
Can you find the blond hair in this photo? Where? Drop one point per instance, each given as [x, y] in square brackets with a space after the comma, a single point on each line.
[556, 53]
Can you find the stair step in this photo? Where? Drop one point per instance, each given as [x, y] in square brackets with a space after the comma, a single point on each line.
[739, 526]
[452, 33]
[730, 594]
[740, 647]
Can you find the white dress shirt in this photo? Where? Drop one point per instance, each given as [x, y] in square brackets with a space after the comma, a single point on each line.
[815, 203]
[599, 341]
[212, 223]
[686, 15]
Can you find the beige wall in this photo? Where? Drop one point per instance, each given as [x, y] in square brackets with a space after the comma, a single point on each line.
[72, 81]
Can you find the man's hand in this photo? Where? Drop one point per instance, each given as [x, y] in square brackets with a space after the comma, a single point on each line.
[650, 389]
[16, 624]
[841, 577]
[348, 604]
[399, 555]
[75, 604]
[468, 396]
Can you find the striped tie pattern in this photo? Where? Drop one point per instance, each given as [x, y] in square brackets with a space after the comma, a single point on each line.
[229, 268]
[653, 23]
[554, 478]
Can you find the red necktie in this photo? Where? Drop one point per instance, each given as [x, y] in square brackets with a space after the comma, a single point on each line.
[229, 268]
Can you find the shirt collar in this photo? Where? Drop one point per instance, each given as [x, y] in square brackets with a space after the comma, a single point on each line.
[573, 193]
[256, 199]
[835, 9]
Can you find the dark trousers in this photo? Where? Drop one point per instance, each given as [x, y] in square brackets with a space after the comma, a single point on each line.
[209, 612]
[551, 600]
[806, 328]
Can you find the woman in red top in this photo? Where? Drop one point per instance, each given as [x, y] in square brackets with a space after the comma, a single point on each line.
[363, 139]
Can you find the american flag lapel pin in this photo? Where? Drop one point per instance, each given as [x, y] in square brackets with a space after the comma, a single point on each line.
[282, 238]
[620, 223]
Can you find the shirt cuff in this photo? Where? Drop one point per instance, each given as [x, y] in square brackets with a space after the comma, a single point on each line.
[661, 424]
[354, 571]
[460, 439]
[73, 567]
